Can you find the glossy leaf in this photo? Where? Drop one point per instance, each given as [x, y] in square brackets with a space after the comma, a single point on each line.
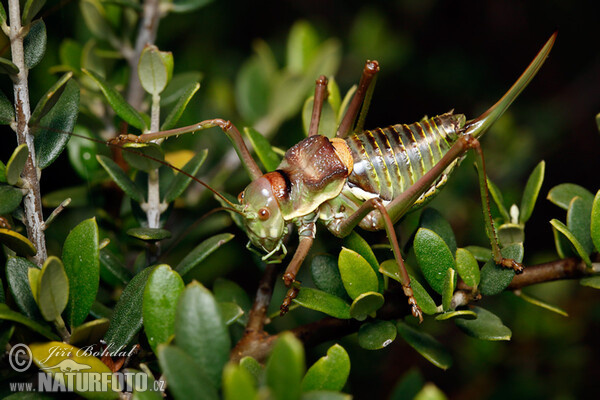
[595, 222]
[329, 372]
[142, 156]
[121, 178]
[269, 159]
[34, 44]
[540, 303]
[10, 198]
[423, 298]
[155, 68]
[7, 110]
[33, 276]
[126, 320]
[53, 289]
[117, 102]
[50, 134]
[30, 10]
[10, 315]
[390, 269]
[581, 251]
[181, 6]
[366, 304]
[17, 242]
[16, 163]
[434, 257]
[510, 234]
[200, 252]
[177, 111]
[186, 378]
[49, 99]
[301, 46]
[562, 194]
[90, 332]
[532, 190]
[252, 90]
[467, 314]
[432, 219]
[200, 331]
[149, 234]
[17, 271]
[357, 275]
[494, 278]
[563, 246]
[498, 199]
[160, 297]
[426, 345]
[7, 67]
[467, 267]
[112, 270]
[486, 326]
[591, 281]
[481, 254]
[82, 264]
[448, 289]
[355, 242]
[285, 368]
[178, 86]
[326, 275]
[238, 383]
[376, 335]
[228, 291]
[230, 312]
[324, 302]
[579, 223]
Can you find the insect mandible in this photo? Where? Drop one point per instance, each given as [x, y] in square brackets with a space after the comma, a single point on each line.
[369, 179]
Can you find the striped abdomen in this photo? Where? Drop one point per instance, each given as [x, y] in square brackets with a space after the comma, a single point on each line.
[387, 161]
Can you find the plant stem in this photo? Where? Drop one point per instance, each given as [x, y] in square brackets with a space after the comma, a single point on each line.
[154, 210]
[59, 323]
[32, 201]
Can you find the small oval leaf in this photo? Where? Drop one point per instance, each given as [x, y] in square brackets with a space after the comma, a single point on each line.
[10, 198]
[326, 275]
[376, 335]
[434, 257]
[357, 274]
[581, 251]
[595, 222]
[330, 372]
[53, 289]
[10, 315]
[285, 368]
[17, 276]
[486, 326]
[356, 242]
[423, 298]
[16, 163]
[200, 252]
[121, 178]
[366, 304]
[433, 220]
[34, 44]
[494, 278]
[324, 302]
[426, 345]
[269, 159]
[467, 267]
[149, 234]
[562, 194]
[531, 192]
[579, 222]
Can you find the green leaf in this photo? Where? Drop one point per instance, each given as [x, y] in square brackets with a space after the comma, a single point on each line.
[10, 198]
[33, 276]
[540, 303]
[182, 181]
[595, 222]
[200, 252]
[200, 331]
[177, 111]
[481, 254]
[7, 67]
[468, 314]
[494, 278]
[430, 392]
[467, 267]
[563, 246]
[426, 345]
[253, 367]
[149, 234]
[591, 281]
[269, 159]
[16, 163]
[532, 189]
[238, 383]
[376, 335]
[228, 291]
[51, 135]
[17, 242]
[10, 315]
[324, 302]
[357, 275]
[30, 10]
[81, 259]
[510, 234]
[112, 270]
[90, 332]
[48, 100]
[409, 385]
[117, 102]
[181, 6]
[302, 45]
[153, 69]
[486, 326]
[326, 275]
[94, 15]
[366, 304]
[390, 269]
[186, 378]
[252, 90]
[70, 53]
[562, 194]
[53, 289]
[179, 85]
[433, 220]
[581, 251]
[121, 178]
[448, 289]
[325, 395]
[499, 200]
[230, 312]
[355, 242]
[423, 298]
[285, 368]
[161, 294]
[7, 110]
[327, 123]
[17, 269]
[330, 372]
[434, 257]
[143, 156]
[579, 223]
[34, 44]
[126, 320]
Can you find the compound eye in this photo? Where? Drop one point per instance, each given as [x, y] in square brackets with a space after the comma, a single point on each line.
[264, 214]
[241, 197]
